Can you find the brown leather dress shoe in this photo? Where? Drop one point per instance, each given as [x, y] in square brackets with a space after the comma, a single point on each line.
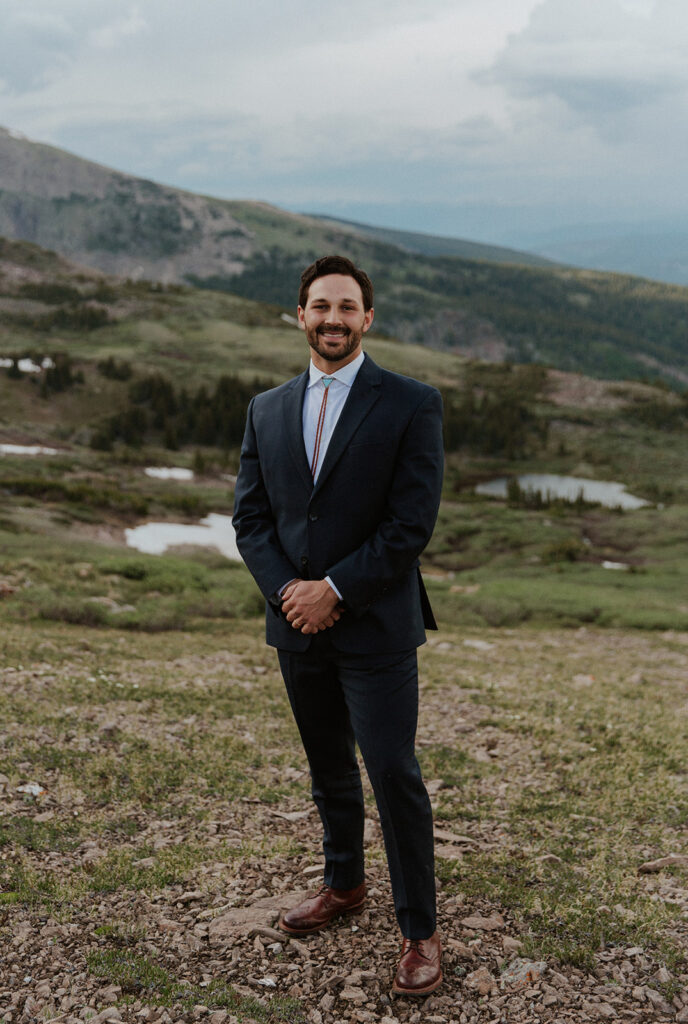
[317, 911]
[420, 970]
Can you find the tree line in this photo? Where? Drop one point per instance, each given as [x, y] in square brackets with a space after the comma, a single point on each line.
[176, 417]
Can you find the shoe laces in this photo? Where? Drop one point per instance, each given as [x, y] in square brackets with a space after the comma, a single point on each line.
[416, 945]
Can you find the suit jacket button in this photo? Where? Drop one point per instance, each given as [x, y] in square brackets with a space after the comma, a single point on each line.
[313, 517]
[304, 560]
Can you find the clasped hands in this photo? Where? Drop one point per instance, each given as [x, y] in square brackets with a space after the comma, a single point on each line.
[310, 605]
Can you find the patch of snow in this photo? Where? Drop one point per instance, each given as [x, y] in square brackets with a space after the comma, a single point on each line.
[28, 366]
[215, 531]
[26, 449]
[169, 473]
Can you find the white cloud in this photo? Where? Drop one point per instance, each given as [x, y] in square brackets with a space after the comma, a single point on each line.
[596, 55]
[480, 101]
[108, 36]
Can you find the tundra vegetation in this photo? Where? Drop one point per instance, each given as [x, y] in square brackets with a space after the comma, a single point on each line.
[139, 699]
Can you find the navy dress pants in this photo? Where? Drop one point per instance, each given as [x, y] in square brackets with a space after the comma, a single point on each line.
[341, 699]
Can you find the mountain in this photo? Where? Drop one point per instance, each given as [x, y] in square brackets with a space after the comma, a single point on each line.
[599, 324]
[654, 250]
[439, 245]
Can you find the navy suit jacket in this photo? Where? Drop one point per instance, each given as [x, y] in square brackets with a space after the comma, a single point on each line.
[365, 521]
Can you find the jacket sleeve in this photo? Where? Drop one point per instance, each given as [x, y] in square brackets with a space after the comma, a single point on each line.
[254, 522]
[411, 511]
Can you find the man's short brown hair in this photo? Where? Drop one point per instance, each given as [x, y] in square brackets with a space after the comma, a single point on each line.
[336, 265]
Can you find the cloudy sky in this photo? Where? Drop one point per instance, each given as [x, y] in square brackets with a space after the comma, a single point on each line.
[487, 119]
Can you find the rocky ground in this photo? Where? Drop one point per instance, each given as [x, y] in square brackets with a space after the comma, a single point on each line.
[125, 908]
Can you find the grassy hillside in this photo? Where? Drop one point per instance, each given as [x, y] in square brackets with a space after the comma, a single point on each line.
[146, 374]
[604, 325]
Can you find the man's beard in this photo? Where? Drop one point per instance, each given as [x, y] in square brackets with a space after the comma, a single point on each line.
[350, 340]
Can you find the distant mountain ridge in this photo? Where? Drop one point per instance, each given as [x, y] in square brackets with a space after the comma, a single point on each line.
[439, 245]
[435, 292]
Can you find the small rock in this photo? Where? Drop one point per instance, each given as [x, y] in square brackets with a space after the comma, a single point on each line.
[241, 921]
[477, 645]
[353, 994]
[165, 925]
[109, 1013]
[481, 981]
[549, 858]
[485, 924]
[111, 994]
[511, 945]
[433, 786]
[461, 948]
[453, 839]
[31, 789]
[678, 860]
[448, 852]
[604, 1010]
[291, 815]
[520, 973]
[300, 947]
[190, 897]
[31, 1007]
[657, 999]
[267, 933]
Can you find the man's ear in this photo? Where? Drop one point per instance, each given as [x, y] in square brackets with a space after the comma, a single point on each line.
[301, 314]
[368, 319]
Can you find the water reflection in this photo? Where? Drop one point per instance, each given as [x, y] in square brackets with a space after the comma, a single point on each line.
[606, 492]
[215, 531]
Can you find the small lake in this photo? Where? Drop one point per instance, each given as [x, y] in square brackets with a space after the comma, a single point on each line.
[613, 495]
[215, 531]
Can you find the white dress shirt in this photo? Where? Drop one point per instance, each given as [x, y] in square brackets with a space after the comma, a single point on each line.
[338, 392]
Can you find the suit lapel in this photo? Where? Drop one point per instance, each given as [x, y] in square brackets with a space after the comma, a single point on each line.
[293, 426]
[365, 392]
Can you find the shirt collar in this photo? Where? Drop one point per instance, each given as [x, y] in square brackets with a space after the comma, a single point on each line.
[345, 374]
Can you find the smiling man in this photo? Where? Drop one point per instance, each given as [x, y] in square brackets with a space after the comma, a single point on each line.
[337, 495]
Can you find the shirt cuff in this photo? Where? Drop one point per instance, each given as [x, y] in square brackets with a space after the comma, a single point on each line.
[284, 587]
[329, 580]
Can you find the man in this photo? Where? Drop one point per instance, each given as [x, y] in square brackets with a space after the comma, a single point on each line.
[337, 495]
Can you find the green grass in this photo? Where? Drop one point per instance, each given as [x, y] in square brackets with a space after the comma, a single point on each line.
[601, 783]
[139, 976]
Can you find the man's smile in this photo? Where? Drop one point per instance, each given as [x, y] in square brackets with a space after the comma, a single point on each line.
[330, 332]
